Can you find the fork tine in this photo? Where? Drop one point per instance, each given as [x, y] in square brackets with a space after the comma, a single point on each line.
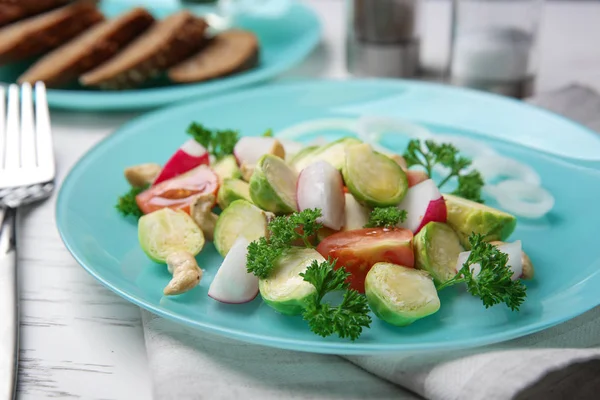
[45, 151]
[12, 144]
[2, 124]
[28, 155]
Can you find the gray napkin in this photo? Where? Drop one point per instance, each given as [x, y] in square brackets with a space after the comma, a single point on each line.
[560, 362]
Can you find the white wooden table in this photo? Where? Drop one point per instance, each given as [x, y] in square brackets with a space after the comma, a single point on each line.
[79, 340]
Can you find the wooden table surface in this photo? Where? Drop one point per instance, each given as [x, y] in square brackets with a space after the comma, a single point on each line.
[78, 339]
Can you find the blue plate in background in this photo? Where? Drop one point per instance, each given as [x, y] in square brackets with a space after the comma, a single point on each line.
[284, 42]
[563, 245]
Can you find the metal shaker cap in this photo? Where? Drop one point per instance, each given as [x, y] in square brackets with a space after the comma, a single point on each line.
[381, 38]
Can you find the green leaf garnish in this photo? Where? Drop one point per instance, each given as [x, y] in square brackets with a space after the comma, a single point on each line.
[445, 154]
[386, 217]
[348, 318]
[283, 231]
[493, 284]
[217, 142]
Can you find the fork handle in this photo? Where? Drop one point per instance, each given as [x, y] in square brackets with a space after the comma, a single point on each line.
[9, 306]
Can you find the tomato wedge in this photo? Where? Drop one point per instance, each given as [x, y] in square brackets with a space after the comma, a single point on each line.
[358, 250]
[178, 193]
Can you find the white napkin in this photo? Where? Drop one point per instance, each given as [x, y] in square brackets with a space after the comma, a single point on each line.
[560, 362]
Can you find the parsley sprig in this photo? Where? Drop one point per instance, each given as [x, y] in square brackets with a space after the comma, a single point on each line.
[283, 232]
[493, 284]
[346, 319]
[386, 217]
[469, 184]
[127, 205]
[217, 142]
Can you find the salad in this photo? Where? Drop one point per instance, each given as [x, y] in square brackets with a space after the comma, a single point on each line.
[331, 232]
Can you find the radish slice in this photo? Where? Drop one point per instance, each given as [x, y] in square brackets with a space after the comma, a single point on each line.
[233, 284]
[190, 155]
[415, 177]
[249, 149]
[320, 185]
[423, 204]
[513, 250]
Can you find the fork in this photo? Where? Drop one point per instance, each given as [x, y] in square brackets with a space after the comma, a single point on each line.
[26, 175]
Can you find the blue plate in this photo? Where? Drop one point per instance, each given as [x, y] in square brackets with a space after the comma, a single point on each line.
[284, 42]
[563, 245]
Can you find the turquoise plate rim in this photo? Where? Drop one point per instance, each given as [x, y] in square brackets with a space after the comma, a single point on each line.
[303, 345]
[131, 100]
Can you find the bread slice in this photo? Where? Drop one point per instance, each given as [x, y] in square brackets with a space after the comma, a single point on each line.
[14, 10]
[165, 44]
[42, 33]
[88, 50]
[225, 54]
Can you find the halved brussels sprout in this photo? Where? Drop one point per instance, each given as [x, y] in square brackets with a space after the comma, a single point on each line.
[273, 185]
[333, 153]
[303, 157]
[373, 179]
[400, 295]
[467, 216]
[240, 218]
[227, 168]
[285, 290]
[436, 248]
[231, 190]
[167, 231]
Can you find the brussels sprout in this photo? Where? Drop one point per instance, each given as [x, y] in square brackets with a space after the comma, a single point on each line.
[285, 290]
[373, 179]
[273, 185]
[400, 295]
[227, 168]
[240, 218]
[436, 248]
[466, 216]
[231, 190]
[333, 153]
[303, 157]
[167, 231]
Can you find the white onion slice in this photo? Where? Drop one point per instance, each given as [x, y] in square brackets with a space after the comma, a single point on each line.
[495, 166]
[318, 141]
[304, 128]
[521, 198]
[468, 147]
[512, 250]
[372, 127]
[291, 147]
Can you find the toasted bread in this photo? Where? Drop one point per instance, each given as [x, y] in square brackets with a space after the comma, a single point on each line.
[89, 50]
[15, 10]
[225, 54]
[165, 44]
[42, 33]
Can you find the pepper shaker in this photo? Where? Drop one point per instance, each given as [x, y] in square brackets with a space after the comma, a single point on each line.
[382, 37]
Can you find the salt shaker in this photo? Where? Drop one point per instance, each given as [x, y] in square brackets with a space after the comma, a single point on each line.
[494, 45]
[382, 37]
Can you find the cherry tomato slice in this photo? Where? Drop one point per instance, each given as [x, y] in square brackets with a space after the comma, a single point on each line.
[178, 193]
[358, 250]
